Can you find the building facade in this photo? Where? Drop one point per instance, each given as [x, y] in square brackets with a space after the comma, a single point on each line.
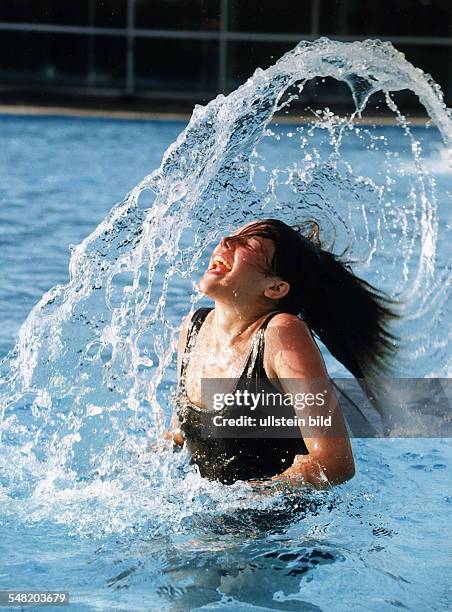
[190, 50]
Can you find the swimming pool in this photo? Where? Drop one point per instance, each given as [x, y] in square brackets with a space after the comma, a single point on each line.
[163, 539]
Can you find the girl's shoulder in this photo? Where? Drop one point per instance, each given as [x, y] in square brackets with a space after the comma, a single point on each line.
[287, 320]
[288, 330]
[292, 349]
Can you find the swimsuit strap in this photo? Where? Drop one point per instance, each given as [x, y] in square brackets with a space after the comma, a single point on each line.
[196, 322]
[254, 367]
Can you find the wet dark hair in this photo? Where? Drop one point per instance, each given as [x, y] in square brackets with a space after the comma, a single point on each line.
[349, 315]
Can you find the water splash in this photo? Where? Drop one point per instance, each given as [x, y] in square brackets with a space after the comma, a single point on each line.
[86, 390]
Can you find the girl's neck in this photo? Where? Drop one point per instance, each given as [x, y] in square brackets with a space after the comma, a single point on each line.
[231, 325]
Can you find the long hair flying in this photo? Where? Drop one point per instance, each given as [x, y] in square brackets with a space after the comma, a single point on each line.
[350, 316]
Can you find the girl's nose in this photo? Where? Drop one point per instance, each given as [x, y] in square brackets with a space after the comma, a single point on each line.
[224, 243]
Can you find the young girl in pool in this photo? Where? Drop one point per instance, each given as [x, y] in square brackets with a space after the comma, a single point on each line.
[273, 288]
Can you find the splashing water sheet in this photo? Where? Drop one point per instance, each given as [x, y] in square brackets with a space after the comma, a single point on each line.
[93, 501]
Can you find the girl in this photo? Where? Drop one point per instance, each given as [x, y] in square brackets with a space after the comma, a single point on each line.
[273, 288]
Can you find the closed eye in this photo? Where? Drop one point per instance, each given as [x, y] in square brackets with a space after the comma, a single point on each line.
[247, 241]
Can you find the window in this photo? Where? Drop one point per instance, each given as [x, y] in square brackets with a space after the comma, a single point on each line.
[68, 12]
[387, 18]
[176, 65]
[177, 14]
[270, 16]
[38, 56]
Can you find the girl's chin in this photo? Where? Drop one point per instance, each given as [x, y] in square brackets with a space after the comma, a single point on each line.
[204, 285]
[210, 284]
[207, 286]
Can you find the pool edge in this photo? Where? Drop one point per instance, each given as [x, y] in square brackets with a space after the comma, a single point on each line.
[58, 111]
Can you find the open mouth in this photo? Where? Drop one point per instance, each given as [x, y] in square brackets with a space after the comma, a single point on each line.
[220, 265]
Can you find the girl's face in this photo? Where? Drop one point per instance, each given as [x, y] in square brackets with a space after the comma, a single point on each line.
[239, 267]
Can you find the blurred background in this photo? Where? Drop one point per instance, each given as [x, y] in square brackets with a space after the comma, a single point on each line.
[170, 54]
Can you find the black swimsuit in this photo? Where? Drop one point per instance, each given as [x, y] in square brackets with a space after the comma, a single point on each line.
[228, 459]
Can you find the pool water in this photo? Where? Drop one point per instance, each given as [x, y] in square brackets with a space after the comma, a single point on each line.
[379, 542]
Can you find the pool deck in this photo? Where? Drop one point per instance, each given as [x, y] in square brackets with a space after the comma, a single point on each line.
[52, 111]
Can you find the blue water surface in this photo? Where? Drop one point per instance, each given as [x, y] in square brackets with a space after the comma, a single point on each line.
[380, 542]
